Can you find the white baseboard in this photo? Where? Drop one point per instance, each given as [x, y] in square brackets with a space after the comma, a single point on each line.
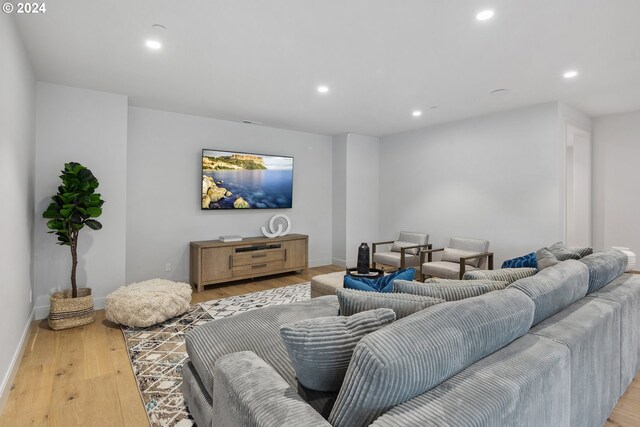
[7, 381]
[42, 312]
[319, 262]
[339, 262]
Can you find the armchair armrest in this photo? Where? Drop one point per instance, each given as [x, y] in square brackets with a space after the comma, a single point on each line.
[463, 264]
[249, 392]
[373, 245]
[429, 251]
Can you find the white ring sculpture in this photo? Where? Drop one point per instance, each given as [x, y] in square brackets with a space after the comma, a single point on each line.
[280, 230]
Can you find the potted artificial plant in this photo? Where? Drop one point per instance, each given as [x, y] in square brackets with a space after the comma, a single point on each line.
[72, 208]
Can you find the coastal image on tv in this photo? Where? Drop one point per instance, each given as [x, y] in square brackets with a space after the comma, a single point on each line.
[246, 181]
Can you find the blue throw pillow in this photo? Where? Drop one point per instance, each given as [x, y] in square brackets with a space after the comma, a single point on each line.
[379, 284]
[528, 260]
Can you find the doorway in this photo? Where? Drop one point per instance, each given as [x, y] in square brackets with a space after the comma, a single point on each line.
[578, 187]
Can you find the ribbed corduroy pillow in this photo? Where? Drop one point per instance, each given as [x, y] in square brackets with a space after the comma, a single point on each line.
[449, 290]
[352, 302]
[503, 274]
[560, 251]
[545, 259]
[320, 349]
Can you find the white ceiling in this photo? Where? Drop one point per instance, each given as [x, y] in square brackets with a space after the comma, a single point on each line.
[262, 60]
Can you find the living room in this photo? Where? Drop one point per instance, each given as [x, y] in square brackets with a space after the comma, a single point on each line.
[426, 117]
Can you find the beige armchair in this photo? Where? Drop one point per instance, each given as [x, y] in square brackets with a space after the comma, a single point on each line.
[401, 253]
[461, 255]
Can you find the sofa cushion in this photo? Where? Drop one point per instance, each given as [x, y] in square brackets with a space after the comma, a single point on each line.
[379, 284]
[560, 251]
[528, 260]
[554, 288]
[503, 274]
[545, 259]
[414, 354]
[258, 331]
[449, 290]
[624, 291]
[321, 348]
[526, 383]
[352, 302]
[454, 255]
[590, 328]
[604, 267]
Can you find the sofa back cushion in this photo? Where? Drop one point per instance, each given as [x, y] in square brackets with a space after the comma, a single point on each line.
[414, 354]
[354, 301]
[449, 290]
[555, 287]
[604, 267]
[503, 274]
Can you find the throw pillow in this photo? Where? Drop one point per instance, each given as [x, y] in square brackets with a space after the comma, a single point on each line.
[503, 274]
[583, 252]
[320, 349]
[398, 244]
[560, 251]
[453, 255]
[449, 290]
[352, 302]
[545, 259]
[528, 260]
[379, 284]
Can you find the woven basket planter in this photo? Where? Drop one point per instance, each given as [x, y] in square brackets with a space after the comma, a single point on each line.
[67, 312]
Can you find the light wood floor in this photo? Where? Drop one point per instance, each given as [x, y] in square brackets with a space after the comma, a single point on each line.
[82, 376]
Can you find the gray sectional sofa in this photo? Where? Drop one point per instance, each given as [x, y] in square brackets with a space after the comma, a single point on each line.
[555, 349]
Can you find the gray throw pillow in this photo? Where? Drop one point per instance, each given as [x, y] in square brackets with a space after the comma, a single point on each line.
[561, 252]
[449, 290]
[352, 302]
[453, 255]
[320, 349]
[545, 259]
[398, 244]
[583, 252]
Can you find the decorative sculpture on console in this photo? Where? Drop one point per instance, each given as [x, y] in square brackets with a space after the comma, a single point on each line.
[279, 225]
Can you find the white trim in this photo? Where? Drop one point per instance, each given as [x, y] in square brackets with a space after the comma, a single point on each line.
[42, 312]
[319, 262]
[15, 363]
[339, 262]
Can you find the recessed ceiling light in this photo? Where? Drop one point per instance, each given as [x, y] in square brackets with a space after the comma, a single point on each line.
[570, 74]
[153, 44]
[323, 89]
[484, 15]
[416, 113]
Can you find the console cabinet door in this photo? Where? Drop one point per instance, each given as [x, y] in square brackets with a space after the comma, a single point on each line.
[295, 253]
[216, 263]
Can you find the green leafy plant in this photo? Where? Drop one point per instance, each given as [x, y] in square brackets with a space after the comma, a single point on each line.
[75, 206]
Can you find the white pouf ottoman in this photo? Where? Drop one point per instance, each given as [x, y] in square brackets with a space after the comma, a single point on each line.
[326, 284]
[147, 303]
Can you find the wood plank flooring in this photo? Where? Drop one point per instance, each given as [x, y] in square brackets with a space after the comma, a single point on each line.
[82, 376]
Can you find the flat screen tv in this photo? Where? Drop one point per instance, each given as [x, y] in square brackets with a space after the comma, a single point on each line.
[233, 180]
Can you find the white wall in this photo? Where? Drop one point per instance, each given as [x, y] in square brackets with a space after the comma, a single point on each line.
[496, 177]
[88, 127]
[339, 200]
[17, 145]
[163, 197]
[616, 144]
[363, 160]
[355, 195]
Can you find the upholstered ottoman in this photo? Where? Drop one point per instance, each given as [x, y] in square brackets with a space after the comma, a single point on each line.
[326, 284]
[147, 303]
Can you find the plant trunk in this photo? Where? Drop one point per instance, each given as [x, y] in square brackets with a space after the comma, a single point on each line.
[74, 263]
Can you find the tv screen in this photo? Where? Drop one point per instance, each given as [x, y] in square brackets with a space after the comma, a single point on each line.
[233, 180]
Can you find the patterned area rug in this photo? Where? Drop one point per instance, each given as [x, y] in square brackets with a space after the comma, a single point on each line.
[158, 352]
